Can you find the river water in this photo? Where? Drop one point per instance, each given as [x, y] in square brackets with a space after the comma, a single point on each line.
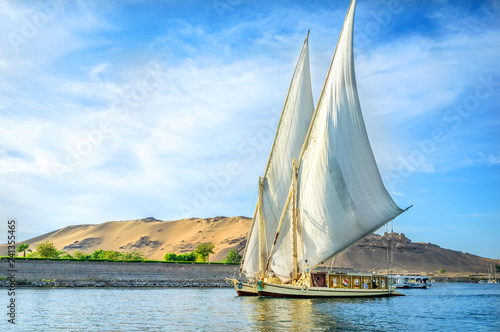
[444, 307]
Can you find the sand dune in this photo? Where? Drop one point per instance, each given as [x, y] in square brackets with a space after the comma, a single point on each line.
[155, 238]
[151, 236]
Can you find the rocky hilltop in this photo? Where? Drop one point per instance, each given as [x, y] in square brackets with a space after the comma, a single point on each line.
[155, 238]
[370, 254]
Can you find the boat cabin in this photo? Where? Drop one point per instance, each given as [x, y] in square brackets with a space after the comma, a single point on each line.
[411, 281]
[348, 280]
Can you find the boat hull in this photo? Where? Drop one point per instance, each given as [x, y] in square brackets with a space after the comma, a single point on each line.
[412, 286]
[274, 290]
[243, 288]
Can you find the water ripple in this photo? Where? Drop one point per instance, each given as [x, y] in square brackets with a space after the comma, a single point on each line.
[463, 307]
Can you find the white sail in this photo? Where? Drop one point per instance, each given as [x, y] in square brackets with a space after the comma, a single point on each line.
[341, 195]
[282, 260]
[290, 136]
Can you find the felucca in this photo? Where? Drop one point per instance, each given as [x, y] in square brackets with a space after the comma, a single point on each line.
[321, 191]
[274, 185]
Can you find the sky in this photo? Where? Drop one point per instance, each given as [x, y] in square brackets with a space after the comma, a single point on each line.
[120, 110]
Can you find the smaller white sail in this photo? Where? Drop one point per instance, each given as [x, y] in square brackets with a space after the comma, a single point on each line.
[250, 263]
[290, 135]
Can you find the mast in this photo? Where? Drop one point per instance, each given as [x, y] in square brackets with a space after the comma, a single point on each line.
[292, 195]
[295, 214]
[249, 235]
[496, 263]
[262, 234]
[279, 227]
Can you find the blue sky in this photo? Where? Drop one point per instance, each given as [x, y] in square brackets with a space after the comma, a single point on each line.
[121, 110]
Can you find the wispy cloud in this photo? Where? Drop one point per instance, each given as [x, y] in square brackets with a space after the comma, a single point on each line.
[155, 109]
[476, 215]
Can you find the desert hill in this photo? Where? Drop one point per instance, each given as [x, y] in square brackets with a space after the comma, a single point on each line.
[151, 236]
[370, 254]
[155, 238]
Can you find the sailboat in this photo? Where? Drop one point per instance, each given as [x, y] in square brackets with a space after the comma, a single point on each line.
[274, 185]
[321, 191]
[490, 269]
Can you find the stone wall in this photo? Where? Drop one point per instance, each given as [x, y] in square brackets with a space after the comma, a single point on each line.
[84, 273]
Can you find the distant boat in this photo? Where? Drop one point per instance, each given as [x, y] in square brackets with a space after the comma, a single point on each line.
[491, 281]
[421, 282]
[321, 191]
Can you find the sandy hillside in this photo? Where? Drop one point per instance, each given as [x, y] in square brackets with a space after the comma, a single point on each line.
[151, 236]
[155, 238]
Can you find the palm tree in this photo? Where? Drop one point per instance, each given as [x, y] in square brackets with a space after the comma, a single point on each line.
[23, 247]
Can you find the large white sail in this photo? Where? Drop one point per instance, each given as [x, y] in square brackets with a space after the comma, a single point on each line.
[290, 136]
[341, 195]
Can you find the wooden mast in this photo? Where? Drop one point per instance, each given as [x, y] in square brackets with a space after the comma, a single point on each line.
[295, 175]
[290, 192]
[262, 234]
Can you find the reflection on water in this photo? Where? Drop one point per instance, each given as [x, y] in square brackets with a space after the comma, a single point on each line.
[313, 314]
[295, 314]
[444, 307]
[468, 307]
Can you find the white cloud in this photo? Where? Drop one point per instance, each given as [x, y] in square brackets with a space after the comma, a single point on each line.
[200, 108]
[476, 215]
[418, 81]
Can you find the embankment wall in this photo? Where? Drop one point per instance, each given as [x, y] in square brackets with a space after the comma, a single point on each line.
[98, 273]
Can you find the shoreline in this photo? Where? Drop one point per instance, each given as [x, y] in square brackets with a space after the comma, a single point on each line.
[113, 284]
[98, 274]
[56, 273]
[135, 284]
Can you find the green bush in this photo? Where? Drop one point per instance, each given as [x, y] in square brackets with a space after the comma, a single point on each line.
[81, 255]
[232, 257]
[97, 254]
[203, 251]
[133, 255]
[190, 257]
[170, 257]
[111, 255]
[47, 250]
